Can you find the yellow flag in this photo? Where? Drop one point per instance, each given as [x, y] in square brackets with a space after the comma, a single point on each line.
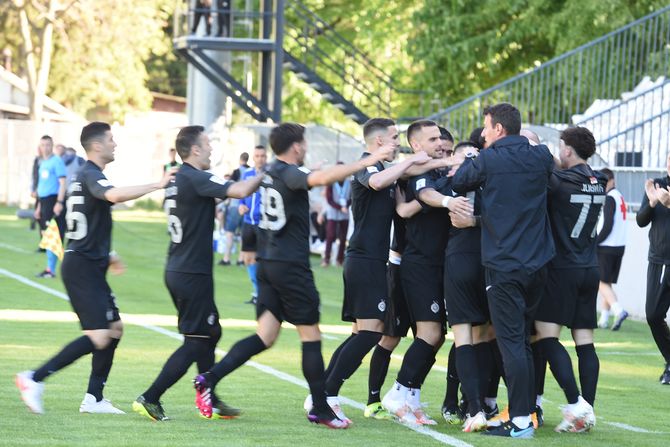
[51, 240]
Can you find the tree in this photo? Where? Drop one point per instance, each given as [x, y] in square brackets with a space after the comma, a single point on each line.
[36, 21]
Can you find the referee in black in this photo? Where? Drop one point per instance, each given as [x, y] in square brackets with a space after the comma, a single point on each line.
[655, 210]
[189, 204]
[516, 246]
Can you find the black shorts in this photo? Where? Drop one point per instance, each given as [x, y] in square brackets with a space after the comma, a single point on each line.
[569, 298]
[609, 264]
[288, 291]
[465, 289]
[47, 213]
[193, 296]
[248, 237]
[396, 321]
[423, 287]
[365, 289]
[90, 295]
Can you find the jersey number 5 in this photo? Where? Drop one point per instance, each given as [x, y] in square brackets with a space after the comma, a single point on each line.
[586, 201]
[273, 216]
[174, 224]
[77, 225]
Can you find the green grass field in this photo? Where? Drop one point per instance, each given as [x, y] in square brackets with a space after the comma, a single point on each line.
[34, 324]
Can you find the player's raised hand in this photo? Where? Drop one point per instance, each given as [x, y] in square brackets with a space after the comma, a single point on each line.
[420, 158]
[460, 205]
[167, 176]
[650, 189]
[116, 265]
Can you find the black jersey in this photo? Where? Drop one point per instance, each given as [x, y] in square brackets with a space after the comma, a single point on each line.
[574, 200]
[428, 230]
[190, 206]
[284, 226]
[466, 240]
[399, 226]
[89, 216]
[372, 211]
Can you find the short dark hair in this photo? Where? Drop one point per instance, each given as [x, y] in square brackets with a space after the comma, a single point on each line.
[507, 115]
[47, 138]
[476, 138]
[463, 144]
[581, 140]
[607, 173]
[284, 135]
[91, 132]
[187, 137]
[417, 126]
[375, 124]
[244, 156]
[445, 134]
[260, 147]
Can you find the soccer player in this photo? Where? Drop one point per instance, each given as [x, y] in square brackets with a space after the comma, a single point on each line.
[285, 280]
[655, 210]
[576, 196]
[89, 224]
[421, 275]
[611, 246]
[365, 290]
[516, 246]
[250, 207]
[189, 204]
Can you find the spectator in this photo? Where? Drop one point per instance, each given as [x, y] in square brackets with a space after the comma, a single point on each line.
[233, 219]
[338, 198]
[73, 164]
[173, 163]
[202, 8]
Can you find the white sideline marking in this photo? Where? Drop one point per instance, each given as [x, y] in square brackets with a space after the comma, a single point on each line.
[441, 437]
[15, 249]
[631, 428]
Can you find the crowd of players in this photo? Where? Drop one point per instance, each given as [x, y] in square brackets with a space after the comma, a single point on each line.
[494, 237]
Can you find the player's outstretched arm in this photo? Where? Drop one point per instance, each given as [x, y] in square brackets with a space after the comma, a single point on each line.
[460, 205]
[244, 188]
[384, 178]
[337, 173]
[124, 193]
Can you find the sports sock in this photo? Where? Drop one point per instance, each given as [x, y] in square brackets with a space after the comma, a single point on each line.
[421, 377]
[251, 271]
[484, 365]
[336, 355]
[466, 364]
[241, 351]
[312, 369]
[71, 352]
[604, 317]
[540, 364]
[379, 366]
[589, 369]
[451, 395]
[414, 362]
[52, 261]
[616, 308]
[176, 366]
[561, 366]
[101, 365]
[350, 359]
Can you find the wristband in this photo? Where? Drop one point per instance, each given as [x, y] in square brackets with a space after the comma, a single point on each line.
[62, 202]
[445, 201]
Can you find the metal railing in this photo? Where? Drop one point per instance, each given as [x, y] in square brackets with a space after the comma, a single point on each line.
[568, 84]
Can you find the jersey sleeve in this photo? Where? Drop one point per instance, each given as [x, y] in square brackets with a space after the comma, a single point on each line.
[608, 219]
[363, 176]
[97, 184]
[296, 178]
[209, 185]
[470, 175]
[59, 168]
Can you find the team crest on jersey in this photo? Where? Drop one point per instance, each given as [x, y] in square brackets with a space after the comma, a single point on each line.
[382, 305]
[372, 169]
[211, 319]
[421, 183]
[435, 307]
[593, 180]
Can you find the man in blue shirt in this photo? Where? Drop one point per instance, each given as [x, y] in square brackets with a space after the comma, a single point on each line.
[51, 195]
[250, 208]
